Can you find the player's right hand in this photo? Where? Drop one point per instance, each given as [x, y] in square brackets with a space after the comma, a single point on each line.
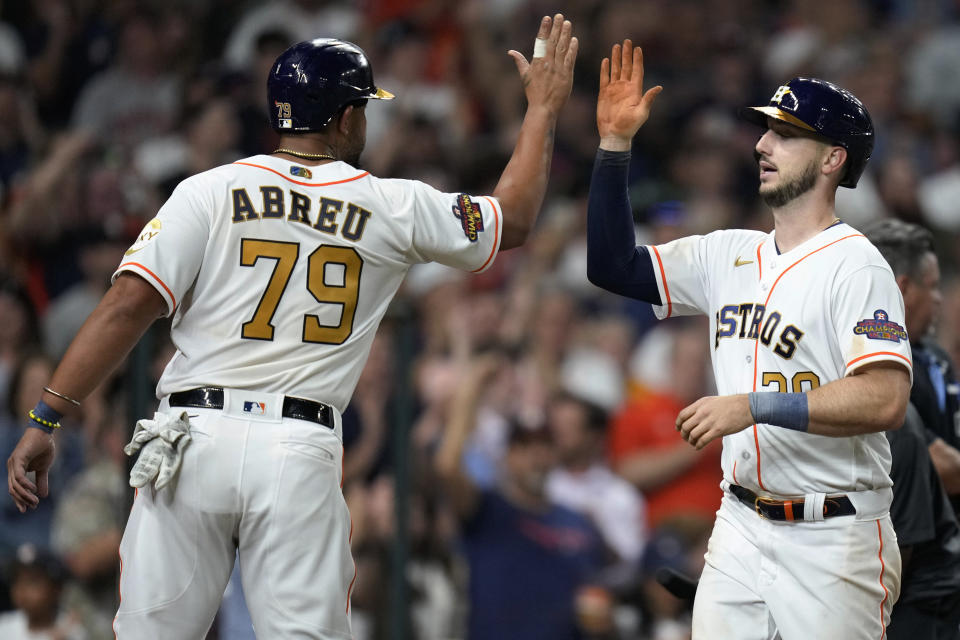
[34, 452]
[622, 105]
[548, 79]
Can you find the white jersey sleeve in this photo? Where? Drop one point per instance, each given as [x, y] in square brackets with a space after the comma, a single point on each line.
[457, 230]
[170, 249]
[868, 317]
[685, 268]
[681, 270]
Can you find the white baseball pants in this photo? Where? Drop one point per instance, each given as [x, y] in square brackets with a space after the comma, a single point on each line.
[835, 579]
[264, 485]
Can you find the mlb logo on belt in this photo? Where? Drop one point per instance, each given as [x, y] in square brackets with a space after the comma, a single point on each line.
[256, 408]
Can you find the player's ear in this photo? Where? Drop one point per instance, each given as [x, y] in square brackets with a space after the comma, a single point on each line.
[343, 120]
[834, 161]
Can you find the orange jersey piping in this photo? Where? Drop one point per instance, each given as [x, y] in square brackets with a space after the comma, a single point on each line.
[173, 298]
[886, 594]
[496, 235]
[663, 278]
[306, 184]
[880, 353]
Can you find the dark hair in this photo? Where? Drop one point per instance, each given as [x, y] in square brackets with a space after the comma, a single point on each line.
[520, 434]
[901, 244]
[595, 415]
[29, 556]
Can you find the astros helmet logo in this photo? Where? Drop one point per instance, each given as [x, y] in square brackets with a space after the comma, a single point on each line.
[785, 94]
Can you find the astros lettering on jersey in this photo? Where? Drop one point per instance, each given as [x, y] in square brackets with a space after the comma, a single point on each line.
[789, 323]
[320, 252]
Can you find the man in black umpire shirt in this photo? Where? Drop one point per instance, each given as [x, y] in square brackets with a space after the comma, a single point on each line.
[926, 451]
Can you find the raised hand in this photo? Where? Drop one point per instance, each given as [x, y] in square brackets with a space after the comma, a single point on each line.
[622, 105]
[548, 79]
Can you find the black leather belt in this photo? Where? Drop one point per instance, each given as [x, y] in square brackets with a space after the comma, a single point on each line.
[790, 509]
[296, 408]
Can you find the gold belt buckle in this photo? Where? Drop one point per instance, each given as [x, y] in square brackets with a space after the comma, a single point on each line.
[761, 499]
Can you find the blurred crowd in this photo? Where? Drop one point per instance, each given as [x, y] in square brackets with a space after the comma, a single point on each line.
[546, 483]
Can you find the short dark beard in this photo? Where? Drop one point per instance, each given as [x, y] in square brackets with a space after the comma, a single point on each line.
[791, 190]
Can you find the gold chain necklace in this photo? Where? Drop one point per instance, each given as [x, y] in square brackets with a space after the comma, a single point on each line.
[306, 156]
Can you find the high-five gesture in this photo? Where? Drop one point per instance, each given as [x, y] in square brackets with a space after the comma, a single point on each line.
[548, 77]
[547, 81]
[622, 105]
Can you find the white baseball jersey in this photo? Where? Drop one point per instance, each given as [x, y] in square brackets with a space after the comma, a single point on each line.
[278, 274]
[790, 322]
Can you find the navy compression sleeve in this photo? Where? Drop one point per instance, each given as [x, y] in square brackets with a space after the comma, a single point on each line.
[614, 261]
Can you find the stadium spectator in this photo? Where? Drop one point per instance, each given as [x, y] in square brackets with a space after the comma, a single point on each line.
[98, 253]
[18, 335]
[36, 582]
[88, 524]
[137, 97]
[909, 250]
[527, 557]
[678, 482]
[929, 604]
[300, 19]
[32, 372]
[366, 433]
[584, 483]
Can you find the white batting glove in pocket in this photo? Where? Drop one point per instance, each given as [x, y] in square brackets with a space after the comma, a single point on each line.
[161, 443]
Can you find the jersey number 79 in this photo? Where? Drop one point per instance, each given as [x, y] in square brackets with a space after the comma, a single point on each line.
[259, 327]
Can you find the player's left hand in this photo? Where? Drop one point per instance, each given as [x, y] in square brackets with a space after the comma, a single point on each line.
[713, 417]
[35, 453]
[622, 104]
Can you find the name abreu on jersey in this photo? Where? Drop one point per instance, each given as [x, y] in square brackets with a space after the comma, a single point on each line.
[327, 211]
[751, 321]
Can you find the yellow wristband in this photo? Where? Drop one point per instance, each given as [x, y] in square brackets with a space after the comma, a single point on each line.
[50, 425]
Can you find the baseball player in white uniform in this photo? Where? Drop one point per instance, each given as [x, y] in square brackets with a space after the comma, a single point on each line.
[277, 270]
[811, 361]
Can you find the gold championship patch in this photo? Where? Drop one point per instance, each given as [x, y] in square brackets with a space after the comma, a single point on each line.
[471, 219]
[880, 327]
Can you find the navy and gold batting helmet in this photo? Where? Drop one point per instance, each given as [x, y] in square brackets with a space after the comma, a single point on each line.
[826, 109]
[312, 80]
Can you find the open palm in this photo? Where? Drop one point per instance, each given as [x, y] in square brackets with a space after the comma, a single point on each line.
[622, 105]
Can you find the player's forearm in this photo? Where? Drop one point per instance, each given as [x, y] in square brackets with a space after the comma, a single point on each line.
[523, 182]
[614, 262]
[129, 307]
[868, 402]
[946, 460]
